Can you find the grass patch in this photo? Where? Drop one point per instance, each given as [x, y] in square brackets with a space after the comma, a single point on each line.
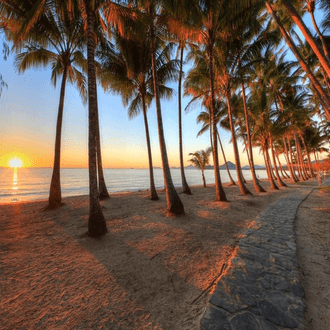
[303, 183]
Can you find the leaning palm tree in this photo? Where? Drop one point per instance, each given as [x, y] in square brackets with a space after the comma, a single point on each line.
[155, 16]
[200, 160]
[54, 41]
[318, 88]
[131, 77]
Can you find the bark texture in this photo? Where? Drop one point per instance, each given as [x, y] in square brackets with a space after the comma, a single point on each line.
[55, 195]
[96, 222]
[243, 189]
[256, 184]
[185, 186]
[174, 204]
[325, 100]
[153, 192]
[219, 191]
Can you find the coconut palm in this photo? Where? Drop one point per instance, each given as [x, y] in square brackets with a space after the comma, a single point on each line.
[131, 76]
[185, 186]
[155, 17]
[204, 118]
[322, 95]
[95, 15]
[307, 34]
[57, 42]
[200, 160]
[310, 7]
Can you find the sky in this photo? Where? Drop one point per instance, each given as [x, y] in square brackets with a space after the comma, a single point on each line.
[28, 113]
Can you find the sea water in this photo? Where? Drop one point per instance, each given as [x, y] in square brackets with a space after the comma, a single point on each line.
[29, 184]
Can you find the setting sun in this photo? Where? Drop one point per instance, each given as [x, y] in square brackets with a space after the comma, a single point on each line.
[15, 162]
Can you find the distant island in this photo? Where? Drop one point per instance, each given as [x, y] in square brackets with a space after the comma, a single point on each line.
[231, 166]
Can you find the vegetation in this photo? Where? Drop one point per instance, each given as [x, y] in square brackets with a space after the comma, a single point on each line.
[238, 73]
[200, 160]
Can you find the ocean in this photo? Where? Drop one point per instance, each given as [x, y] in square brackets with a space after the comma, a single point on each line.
[30, 184]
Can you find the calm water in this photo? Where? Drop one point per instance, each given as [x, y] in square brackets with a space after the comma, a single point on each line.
[27, 184]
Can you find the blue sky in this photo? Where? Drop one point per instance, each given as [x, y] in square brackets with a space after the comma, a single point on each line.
[28, 111]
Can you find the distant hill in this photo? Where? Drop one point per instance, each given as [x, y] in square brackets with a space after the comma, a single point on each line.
[257, 167]
[190, 167]
[231, 166]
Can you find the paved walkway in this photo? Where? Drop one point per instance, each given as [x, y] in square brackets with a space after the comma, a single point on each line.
[262, 289]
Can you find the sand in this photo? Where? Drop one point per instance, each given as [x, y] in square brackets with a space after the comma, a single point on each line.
[313, 240]
[150, 271]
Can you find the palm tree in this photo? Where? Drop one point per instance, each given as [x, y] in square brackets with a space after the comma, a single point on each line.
[97, 14]
[185, 186]
[307, 34]
[58, 42]
[131, 76]
[200, 160]
[310, 6]
[204, 118]
[322, 95]
[155, 23]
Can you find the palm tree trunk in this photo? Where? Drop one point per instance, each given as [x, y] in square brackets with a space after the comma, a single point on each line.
[303, 165]
[268, 169]
[242, 187]
[289, 163]
[103, 191]
[256, 184]
[316, 161]
[307, 34]
[299, 169]
[55, 196]
[286, 159]
[96, 222]
[325, 100]
[153, 192]
[232, 182]
[294, 162]
[279, 180]
[219, 191]
[294, 165]
[173, 201]
[204, 181]
[211, 131]
[284, 174]
[185, 187]
[312, 174]
[324, 45]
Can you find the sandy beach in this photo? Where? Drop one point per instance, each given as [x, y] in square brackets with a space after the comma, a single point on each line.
[150, 271]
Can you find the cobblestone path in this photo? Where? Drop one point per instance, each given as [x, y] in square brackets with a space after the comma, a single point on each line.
[262, 289]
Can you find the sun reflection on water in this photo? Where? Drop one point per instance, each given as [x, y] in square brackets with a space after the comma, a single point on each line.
[15, 179]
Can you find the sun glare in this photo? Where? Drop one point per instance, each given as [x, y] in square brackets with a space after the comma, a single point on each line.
[15, 162]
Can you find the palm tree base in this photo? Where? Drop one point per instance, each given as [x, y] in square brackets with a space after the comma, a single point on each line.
[187, 192]
[103, 196]
[176, 208]
[260, 190]
[96, 223]
[53, 206]
[154, 197]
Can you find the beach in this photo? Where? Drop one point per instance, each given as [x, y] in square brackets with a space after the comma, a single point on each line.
[150, 271]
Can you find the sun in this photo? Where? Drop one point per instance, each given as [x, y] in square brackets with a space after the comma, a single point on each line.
[15, 162]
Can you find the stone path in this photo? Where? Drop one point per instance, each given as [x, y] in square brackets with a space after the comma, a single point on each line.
[262, 289]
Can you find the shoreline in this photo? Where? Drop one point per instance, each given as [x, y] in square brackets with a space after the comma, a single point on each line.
[32, 185]
[160, 190]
